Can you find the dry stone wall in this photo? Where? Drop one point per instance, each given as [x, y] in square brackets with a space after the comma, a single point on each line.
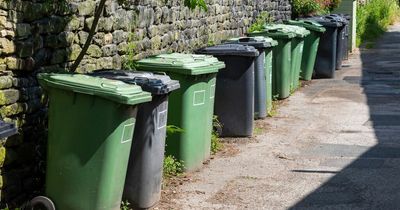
[47, 36]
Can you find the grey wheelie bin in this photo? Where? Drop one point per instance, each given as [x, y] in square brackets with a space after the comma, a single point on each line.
[144, 176]
[91, 125]
[234, 95]
[325, 64]
[345, 20]
[282, 59]
[341, 38]
[262, 72]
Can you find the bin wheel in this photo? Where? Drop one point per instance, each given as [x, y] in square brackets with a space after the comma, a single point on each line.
[42, 203]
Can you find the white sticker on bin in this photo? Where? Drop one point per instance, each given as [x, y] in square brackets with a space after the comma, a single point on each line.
[199, 97]
[212, 91]
[127, 133]
[162, 119]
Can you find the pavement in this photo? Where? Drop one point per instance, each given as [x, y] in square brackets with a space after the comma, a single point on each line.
[335, 144]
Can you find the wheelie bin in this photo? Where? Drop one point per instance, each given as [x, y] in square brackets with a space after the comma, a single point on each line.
[190, 107]
[234, 95]
[311, 44]
[325, 64]
[91, 124]
[144, 176]
[262, 72]
[345, 20]
[297, 53]
[281, 66]
[341, 38]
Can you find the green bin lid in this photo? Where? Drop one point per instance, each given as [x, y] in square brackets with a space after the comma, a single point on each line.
[256, 41]
[299, 31]
[110, 89]
[187, 64]
[274, 32]
[308, 24]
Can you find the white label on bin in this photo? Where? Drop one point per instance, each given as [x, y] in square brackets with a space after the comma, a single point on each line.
[127, 133]
[162, 119]
[199, 97]
[212, 91]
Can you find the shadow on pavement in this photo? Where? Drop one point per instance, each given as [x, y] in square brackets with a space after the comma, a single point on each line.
[372, 181]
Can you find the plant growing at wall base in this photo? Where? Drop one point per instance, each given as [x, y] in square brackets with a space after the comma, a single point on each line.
[131, 50]
[125, 205]
[263, 18]
[216, 144]
[172, 167]
[192, 4]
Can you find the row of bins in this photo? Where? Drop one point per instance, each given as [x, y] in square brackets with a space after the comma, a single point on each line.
[107, 130]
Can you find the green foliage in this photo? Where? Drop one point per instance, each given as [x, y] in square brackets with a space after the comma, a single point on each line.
[171, 129]
[306, 7]
[263, 18]
[257, 131]
[274, 111]
[374, 17]
[172, 167]
[131, 50]
[192, 4]
[302, 8]
[216, 144]
[125, 205]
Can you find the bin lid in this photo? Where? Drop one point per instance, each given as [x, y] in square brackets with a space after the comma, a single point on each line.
[7, 129]
[157, 84]
[187, 64]
[326, 22]
[230, 50]
[258, 42]
[338, 18]
[298, 30]
[274, 32]
[110, 89]
[308, 24]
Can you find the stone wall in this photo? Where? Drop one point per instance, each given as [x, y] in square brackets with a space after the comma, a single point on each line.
[47, 36]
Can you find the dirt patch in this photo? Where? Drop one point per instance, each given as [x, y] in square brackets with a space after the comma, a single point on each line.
[170, 191]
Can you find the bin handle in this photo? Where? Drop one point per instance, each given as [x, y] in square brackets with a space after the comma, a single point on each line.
[308, 22]
[160, 73]
[107, 85]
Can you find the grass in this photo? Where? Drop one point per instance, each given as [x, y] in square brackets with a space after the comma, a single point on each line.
[374, 18]
[172, 167]
[216, 144]
[258, 131]
[274, 110]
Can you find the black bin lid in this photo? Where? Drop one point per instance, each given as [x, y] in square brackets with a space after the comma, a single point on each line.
[7, 129]
[326, 22]
[338, 18]
[157, 84]
[230, 50]
[257, 42]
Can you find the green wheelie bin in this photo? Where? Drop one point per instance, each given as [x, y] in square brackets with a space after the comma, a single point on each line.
[311, 43]
[91, 124]
[191, 107]
[281, 65]
[297, 52]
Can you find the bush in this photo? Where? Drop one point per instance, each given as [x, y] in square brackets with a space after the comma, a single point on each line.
[301, 8]
[374, 17]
